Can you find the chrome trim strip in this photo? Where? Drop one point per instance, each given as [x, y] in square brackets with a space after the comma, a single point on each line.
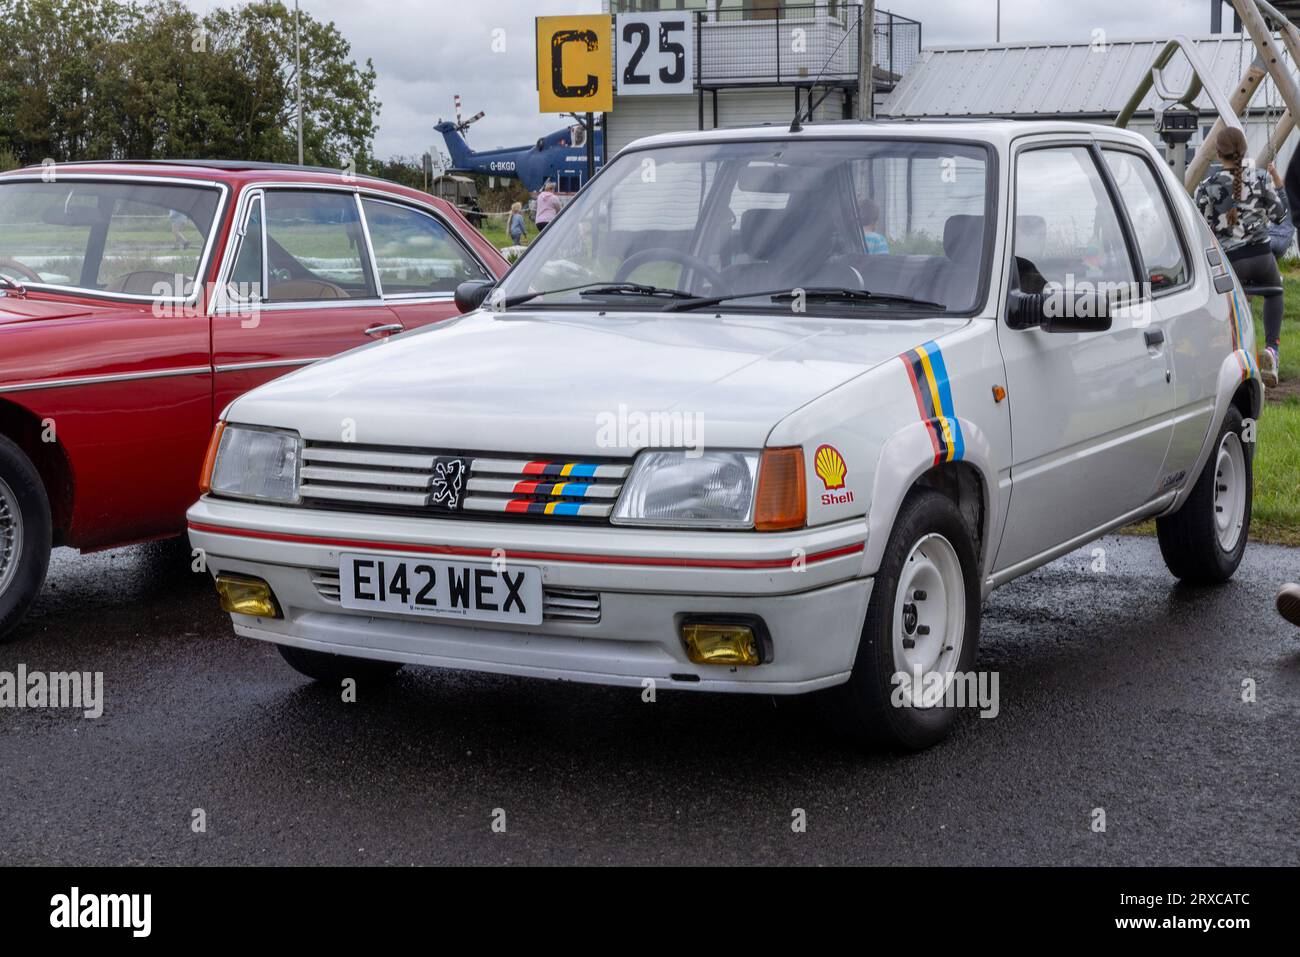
[517, 467]
[418, 298]
[301, 304]
[396, 460]
[223, 301]
[101, 379]
[267, 364]
[323, 473]
[370, 246]
[365, 496]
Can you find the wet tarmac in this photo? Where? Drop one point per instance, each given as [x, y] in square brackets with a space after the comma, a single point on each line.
[1119, 690]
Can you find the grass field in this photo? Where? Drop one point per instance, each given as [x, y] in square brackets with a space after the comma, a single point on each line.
[494, 231]
[1277, 458]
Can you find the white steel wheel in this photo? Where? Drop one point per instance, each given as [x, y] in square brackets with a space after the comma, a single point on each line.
[1230, 491]
[11, 536]
[929, 620]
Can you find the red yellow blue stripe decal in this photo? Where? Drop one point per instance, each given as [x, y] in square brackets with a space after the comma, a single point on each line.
[526, 506]
[561, 469]
[1239, 315]
[577, 489]
[928, 374]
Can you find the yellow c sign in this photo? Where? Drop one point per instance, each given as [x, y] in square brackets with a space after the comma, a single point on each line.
[575, 64]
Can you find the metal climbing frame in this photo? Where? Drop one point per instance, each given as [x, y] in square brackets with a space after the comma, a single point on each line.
[1268, 62]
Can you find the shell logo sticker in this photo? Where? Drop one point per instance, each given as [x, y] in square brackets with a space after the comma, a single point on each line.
[830, 467]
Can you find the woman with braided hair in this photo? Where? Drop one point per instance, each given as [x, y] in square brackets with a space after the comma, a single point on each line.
[1240, 203]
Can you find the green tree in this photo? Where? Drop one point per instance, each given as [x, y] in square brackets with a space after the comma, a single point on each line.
[409, 171]
[150, 79]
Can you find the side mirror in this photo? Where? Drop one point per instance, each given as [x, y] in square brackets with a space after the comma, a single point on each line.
[470, 295]
[1059, 310]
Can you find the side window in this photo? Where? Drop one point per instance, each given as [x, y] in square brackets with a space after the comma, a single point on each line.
[1153, 224]
[315, 247]
[414, 253]
[246, 277]
[1067, 231]
[152, 247]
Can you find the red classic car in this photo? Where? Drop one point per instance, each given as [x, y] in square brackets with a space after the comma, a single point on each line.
[138, 299]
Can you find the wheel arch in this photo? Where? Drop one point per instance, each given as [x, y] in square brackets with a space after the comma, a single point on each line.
[1249, 398]
[1238, 387]
[26, 429]
[907, 463]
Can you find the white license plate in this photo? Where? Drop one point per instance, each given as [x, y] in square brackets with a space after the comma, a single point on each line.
[440, 588]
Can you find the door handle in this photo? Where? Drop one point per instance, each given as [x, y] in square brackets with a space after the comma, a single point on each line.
[1154, 337]
[387, 329]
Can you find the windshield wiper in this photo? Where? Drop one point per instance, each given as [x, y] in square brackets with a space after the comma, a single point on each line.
[13, 284]
[636, 289]
[813, 294]
[600, 288]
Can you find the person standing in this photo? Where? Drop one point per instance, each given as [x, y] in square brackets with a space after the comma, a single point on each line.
[176, 219]
[1239, 203]
[516, 227]
[548, 205]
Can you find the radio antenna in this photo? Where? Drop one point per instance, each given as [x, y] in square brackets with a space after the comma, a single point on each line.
[796, 126]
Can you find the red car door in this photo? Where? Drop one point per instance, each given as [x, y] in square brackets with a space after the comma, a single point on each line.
[298, 286]
[107, 353]
[420, 259]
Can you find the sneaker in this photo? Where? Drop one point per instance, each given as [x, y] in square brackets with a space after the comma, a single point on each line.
[1288, 603]
[1268, 367]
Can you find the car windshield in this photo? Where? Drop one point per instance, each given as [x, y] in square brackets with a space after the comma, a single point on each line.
[116, 238]
[900, 219]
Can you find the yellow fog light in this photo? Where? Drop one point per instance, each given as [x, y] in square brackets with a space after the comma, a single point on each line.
[247, 596]
[721, 643]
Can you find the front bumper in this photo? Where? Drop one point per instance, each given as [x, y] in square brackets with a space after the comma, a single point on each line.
[809, 587]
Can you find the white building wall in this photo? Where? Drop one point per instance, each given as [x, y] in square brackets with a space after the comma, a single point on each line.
[637, 116]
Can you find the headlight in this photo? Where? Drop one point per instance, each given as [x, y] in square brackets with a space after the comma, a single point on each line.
[709, 490]
[259, 464]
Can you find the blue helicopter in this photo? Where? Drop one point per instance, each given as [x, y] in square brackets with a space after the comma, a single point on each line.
[560, 157]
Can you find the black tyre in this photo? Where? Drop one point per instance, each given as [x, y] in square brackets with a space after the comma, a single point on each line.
[25, 536]
[332, 669]
[924, 612]
[1203, 542]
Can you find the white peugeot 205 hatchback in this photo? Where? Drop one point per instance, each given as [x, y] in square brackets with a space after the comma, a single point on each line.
[761, 411]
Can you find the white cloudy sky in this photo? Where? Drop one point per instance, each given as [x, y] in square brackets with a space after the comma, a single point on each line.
[425, 51]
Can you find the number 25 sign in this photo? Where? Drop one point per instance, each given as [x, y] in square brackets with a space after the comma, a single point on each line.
[655, 53]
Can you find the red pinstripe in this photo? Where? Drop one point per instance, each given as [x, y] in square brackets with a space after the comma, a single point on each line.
[588, 559]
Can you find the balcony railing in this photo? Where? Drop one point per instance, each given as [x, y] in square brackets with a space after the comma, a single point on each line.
[775, 42]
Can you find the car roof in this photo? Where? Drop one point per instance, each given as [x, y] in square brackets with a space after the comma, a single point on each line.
[221, 168]
[233, 173]
[999, 132]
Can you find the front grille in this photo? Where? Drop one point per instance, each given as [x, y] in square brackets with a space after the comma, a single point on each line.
[568, 604]
[368, 478]
[558, 604]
